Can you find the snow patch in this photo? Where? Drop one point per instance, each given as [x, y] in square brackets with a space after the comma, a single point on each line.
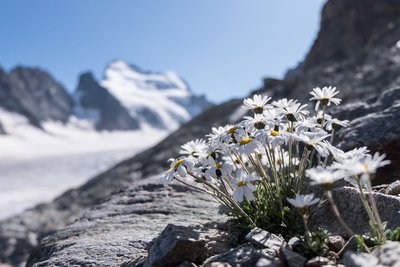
[37, 165]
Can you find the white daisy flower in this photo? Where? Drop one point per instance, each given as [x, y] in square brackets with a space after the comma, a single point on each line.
[258, 104]
[292, 110]
[322, 117]
[362, 166]
[334, 124]
[208, 157]
[275, 137]
[314, 140]
[359, 152]
[339, 155]
[307, 124]
[218, 170]
[303, 201]
[247, 145]
[336, 153]
[194, 148]
[243, 186]
[219, 136]
[258, 121]
[325, 96]
[284, 103]
[178, 168]
[325, 177]
[282, 159]
[273, 115]
[233, 161]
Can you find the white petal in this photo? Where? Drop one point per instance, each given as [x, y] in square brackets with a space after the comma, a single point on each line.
[248, 194]
[181, 170]
[238, 194]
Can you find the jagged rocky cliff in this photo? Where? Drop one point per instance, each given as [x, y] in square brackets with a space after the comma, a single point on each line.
[357, 50]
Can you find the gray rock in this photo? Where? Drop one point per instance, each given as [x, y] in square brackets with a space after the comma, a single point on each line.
[119, 230]
[384, 256]
[345, 28]
[317, 262]
[350, 206]
[264, 262]
[262, 238]
[187, 264]
[352, 259]
[294, 243]
[379, 132]
[388, 254]
[350, 245]
[245, 255]
[335, 243]
[291, 258]
[219, 264]
[177, 244]
[393, 188]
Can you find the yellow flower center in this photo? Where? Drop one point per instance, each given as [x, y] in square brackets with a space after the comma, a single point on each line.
[324, 101]
[232, 130]
[218, 166]
[366, 166]
[245, 141]
[258, 109]
[241, 183]
[177, 163]
[274, 133]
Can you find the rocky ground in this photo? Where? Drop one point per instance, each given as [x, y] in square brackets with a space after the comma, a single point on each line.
[114, 219]
[152, 225]
[119, 230]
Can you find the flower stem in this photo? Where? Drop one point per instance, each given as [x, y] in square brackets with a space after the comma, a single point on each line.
[337, 213]
[226, 197]
[331, 142]
[307, 233]
[375, 212]
[365, 202]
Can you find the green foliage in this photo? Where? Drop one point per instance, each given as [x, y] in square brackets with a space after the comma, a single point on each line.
[270, 211]
[393, 235]
[371, 240]
[315, 245]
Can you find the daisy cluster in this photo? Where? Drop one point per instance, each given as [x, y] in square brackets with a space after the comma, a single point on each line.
[275, 150]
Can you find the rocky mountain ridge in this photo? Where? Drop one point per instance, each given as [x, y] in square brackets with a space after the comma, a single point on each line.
[35, 94]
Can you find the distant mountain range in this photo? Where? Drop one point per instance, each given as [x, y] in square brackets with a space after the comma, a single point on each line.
[126, 99]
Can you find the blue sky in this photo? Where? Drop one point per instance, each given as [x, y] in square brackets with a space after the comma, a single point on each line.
[222, 48]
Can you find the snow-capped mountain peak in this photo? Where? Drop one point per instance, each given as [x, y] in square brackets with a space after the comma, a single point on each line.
[161, 100]
[169, 80]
